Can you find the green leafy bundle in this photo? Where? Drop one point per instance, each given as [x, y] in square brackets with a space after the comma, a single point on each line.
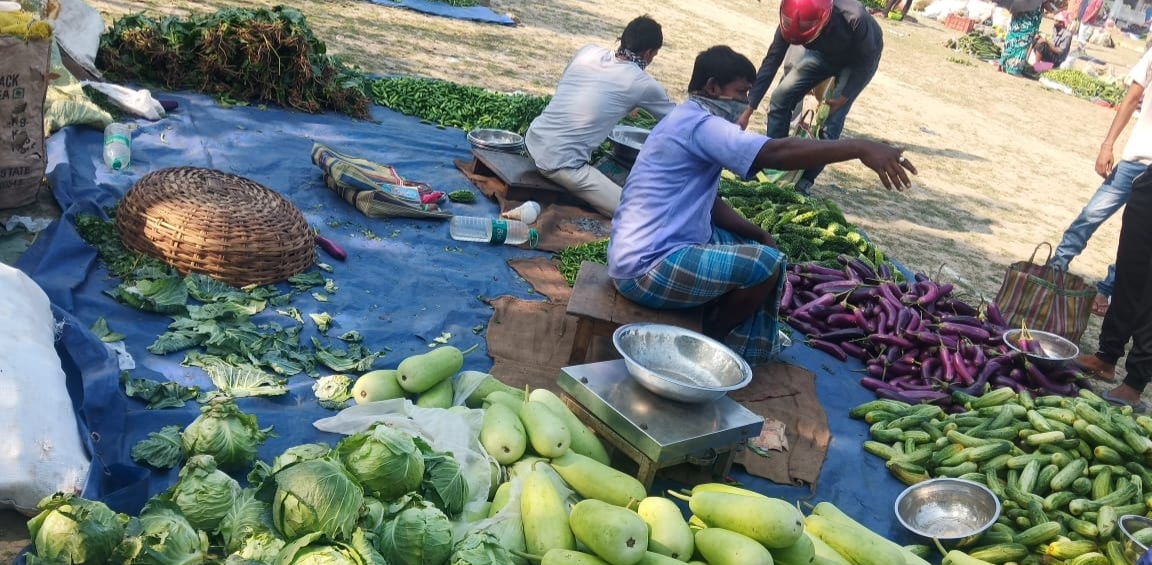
[976, 44]
[456, 105]
[1087, 86]
[245, 55]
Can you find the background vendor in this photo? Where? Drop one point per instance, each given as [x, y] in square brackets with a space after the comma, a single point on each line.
[598, 88]
[676, 244]
[840, 39]
[1056, 50]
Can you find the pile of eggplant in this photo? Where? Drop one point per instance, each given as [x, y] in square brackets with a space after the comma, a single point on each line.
[917, 341]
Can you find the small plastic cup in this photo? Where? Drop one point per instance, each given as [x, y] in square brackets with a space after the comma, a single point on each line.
[526, 212]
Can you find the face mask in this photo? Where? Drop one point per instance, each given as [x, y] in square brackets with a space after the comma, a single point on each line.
[628, 54]
[727, 108]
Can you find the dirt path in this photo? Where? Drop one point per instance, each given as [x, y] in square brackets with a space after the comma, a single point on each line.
[1004, 163]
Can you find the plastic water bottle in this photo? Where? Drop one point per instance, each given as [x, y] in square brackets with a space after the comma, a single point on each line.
[492, 230]
[117, 146]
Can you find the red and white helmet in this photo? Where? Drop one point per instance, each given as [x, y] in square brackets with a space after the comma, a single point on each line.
[802, 20]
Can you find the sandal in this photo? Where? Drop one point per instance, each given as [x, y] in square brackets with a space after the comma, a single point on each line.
[1140, 407]
[1099, 370]
[1100, 305]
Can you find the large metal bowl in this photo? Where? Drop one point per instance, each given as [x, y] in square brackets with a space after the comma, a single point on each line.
[1057, 351]
[953, 511]
[496, 140]
[680, 364]
[1135, 529]
[626, 142]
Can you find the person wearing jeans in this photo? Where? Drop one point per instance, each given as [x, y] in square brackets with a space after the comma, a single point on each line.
[841, 39]
[1130, 318]
[1118, 178]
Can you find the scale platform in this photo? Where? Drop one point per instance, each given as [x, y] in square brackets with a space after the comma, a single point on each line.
[653, 431]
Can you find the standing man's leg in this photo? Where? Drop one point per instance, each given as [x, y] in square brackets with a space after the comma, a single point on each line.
[808, 72]
[1133, 294]
[1111, 195]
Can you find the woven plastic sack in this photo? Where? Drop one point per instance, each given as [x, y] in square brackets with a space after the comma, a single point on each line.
[1044, 298]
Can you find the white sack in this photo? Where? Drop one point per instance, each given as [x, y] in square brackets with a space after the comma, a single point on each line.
[77, 30]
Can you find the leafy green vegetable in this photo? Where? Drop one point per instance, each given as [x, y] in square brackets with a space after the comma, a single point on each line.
[317, 496]
[100, 330]
[385, 460]
[570, 257]
[158, 395]
[247, 517]
[74, 531]
[166, 295]
[330, 286]
[161, 449]
[351, 337]
[293, 313]
[226, 433]
[312, 549]
[417, 533]
[245, 380]
[322, 320]
[444, 483]
[295, 454]
[480, 548]
[372, 514]
[203, 492]
[162, 536]
[320, 297]
[355, 359]
[333, 391]
[305, 281]
[101, 233]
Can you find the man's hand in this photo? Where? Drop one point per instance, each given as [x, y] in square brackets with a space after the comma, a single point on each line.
[836, 103]
[767, 239]
[744, 118]
[1104, 160]
[888, 162]
[634, 113]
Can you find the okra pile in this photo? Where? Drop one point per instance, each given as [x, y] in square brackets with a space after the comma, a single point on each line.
[1064, 468]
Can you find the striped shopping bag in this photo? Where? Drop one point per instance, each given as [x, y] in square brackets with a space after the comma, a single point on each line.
[1044, 298]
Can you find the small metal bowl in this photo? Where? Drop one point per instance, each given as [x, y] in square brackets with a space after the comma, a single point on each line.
[1130, 524]
[680, 364]
[496, 140]
[1057, 350]
[953, 511]
[626, 142]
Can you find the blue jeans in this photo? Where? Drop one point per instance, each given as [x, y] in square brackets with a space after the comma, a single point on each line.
[809, 71]
[1111, 195]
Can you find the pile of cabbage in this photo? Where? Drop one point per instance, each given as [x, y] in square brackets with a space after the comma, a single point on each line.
[381, 497]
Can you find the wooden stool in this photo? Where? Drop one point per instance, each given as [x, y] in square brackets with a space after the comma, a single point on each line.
[600, 310]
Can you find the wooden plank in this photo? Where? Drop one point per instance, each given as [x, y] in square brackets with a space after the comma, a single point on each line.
[593, 294]
[517, 171]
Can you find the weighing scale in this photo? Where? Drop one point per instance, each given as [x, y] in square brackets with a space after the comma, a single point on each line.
[653, 431]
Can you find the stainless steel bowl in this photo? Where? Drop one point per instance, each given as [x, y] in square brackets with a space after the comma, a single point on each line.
[950, 510]
[496, 140]
[1057, 351]
[680, 364]
[626, 142]
[1135, 528]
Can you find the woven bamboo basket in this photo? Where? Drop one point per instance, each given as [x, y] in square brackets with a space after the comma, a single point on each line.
[216, 223]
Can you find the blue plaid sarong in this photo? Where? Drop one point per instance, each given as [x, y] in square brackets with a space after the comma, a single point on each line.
[698, 274]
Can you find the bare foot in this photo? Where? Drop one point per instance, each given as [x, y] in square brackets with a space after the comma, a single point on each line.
[1100, 305]
[1096, 367]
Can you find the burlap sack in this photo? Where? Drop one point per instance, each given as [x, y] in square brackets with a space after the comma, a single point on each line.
[23, 85]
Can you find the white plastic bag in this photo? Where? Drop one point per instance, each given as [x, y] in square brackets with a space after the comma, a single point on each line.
[455, 431]
[40, 448]
[138, 102]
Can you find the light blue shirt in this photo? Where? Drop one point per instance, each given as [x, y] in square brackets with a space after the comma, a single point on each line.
[668, 198]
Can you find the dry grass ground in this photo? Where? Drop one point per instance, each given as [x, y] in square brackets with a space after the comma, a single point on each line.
[1004, 164]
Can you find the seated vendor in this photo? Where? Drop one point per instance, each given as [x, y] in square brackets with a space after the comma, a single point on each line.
[676, 244]
[1056, 50]
[598, 88]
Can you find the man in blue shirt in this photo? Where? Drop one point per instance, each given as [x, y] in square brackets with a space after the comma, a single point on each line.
[676, 244]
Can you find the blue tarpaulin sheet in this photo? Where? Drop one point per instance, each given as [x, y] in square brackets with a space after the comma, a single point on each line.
[404, 283]
[482, 14]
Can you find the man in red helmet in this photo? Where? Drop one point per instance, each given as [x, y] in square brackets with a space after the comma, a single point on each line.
[840, 39]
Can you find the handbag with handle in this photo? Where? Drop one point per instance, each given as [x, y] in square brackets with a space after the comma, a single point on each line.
[1044, 298]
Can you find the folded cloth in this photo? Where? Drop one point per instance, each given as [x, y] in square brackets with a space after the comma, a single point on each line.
[376, 190]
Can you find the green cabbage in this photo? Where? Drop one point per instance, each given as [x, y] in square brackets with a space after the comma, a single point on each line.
[312, 549]
[386, 461]
[444, 483]
[416, 533]
[334, 391]
[316, 496]
[70, 530]
[372, 514]
[162, 536]
[204, 493]
[247, 517]
[225, 433]
[262, 547]
[295, 454]
[480, 548]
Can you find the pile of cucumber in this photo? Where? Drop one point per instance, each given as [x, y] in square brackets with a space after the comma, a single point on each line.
[1065, 469]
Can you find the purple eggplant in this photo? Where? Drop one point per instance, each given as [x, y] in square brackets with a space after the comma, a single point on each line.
[884, 271]
[920, 277]
[957, 307]
[854, 350]
[876, 385]
[822, 312]
[829, 348]
[817, 278]
[825, 300]
[979, 335]
[803, 327]
[838, 336]
[866, 273]
[902, 319]
[911, 383]
[963, 372]
[994, 315]
[890, 340]
[946, 363]
[863, 322]
[928, 368]
[835, 287]
[1006, 382]
[806, 296]
[890, 292]
[842, 320]
[860, 295]
[875, 370]
[916, 396]
[818, 269]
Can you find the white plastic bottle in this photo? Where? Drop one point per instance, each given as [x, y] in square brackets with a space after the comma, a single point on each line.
[117, 146]
[492, 230]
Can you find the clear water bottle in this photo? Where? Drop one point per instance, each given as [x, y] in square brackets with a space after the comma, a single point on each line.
[492, 230]
[117, 146]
